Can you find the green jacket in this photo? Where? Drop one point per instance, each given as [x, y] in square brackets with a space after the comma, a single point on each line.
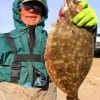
[20, 37]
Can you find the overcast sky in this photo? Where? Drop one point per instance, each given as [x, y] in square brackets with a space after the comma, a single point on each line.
[6, 20]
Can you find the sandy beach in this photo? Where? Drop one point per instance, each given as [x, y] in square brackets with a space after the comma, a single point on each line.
[90, 88]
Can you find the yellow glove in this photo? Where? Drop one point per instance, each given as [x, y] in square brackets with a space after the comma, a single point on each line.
[86, 17]
[84, 3]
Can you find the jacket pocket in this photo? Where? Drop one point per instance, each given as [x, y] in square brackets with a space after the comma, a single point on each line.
[5, 73]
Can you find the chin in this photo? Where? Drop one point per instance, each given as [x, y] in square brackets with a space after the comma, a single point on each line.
[30, 24]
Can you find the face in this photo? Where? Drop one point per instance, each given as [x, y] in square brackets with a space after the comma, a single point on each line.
[30, 17]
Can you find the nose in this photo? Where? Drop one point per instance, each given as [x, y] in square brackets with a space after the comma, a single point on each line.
[31, 10]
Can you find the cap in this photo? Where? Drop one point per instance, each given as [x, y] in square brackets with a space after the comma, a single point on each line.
[42, 3]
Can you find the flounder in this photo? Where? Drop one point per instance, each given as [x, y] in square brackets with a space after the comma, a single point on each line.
[69, 51]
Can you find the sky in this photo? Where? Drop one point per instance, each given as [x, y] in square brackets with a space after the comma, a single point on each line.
[6, 18]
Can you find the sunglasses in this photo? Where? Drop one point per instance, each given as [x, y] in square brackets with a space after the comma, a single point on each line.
[28, 6]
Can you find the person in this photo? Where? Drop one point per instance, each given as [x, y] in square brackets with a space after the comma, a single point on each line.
[22, 49]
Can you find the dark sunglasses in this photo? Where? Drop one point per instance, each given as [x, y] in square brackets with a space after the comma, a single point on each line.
[28, 6]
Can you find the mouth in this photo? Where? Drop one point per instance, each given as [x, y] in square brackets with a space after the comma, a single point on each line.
[31, 17]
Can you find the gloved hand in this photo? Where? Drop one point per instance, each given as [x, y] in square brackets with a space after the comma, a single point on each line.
[83, 3]
[86, 17]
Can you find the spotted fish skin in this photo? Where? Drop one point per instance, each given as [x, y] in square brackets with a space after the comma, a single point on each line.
[69, 54]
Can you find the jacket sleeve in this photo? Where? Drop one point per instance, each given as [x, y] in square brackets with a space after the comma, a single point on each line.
[2, 47]
[5, 68]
